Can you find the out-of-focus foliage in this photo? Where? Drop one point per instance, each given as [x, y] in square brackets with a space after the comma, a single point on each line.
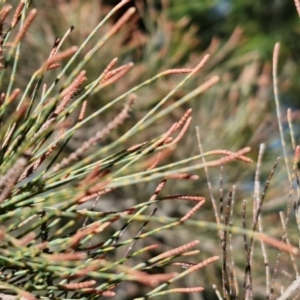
[263, 23]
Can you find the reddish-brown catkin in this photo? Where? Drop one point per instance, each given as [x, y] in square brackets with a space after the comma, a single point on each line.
[192, 211]
[31, 16]
[17, 14]
[177, 251]
[78, 285]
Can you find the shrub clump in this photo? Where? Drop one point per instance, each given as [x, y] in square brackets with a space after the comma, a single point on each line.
[55, 243]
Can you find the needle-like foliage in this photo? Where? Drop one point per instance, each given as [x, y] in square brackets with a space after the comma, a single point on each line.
[54, 245]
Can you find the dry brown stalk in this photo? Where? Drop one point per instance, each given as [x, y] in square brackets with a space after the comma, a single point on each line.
[29, 19]
[177, 251]
[192, 211]
[17, 14]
